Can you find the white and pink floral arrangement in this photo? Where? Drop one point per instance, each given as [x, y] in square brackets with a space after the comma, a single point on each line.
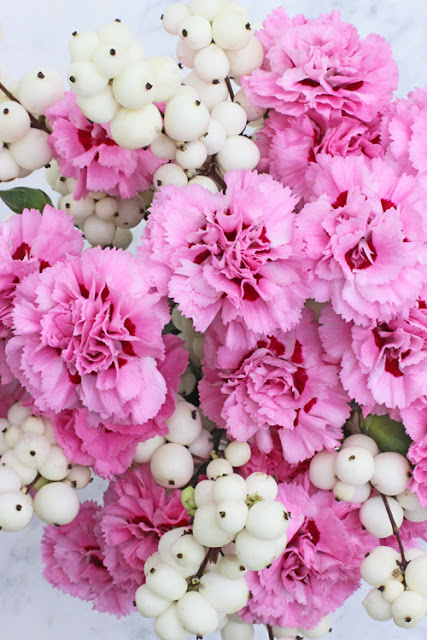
[252, 380]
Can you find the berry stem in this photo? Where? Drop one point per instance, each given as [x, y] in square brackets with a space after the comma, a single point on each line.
[35, 123]
[395, 528]
[211, 555]
[270, 632]
[33, 483]
[230, 88]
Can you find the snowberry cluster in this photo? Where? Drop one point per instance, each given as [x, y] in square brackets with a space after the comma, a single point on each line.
[196, 579]
[32, 460]
[171, 457]
[23, 132]
[400, 588]
[103, 219]
[358, 467]
[113, 83]
[230, 509]
[201, 125]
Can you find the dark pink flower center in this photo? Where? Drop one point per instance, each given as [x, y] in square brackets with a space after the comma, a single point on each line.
[362, 255]
[382, 335]
[94, 138]
[236, 249]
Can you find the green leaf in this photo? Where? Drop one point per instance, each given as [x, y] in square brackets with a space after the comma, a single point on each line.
[20, 198]
[389, 434]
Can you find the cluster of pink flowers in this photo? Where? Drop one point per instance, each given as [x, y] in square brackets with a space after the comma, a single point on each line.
[82, 335]
[318, 569]
[334, 216]
[100, 556]
[86, 151]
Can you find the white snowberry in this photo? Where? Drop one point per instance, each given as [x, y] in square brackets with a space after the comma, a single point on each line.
[391, 473]
[148, 603]
[186, 119]
[374, 517]
[100, 108]
[32, 151]
[238, 152]
[169, 174]
[133, 129]
[245, 60]
[14, 121]
[379, 565]
[354, 465]
[322, 470]
[184, 425]
[39, 89]
[172, 465]
[134, 86]
[98, 231]
[16, 510]
[196, 31]
[56, 503]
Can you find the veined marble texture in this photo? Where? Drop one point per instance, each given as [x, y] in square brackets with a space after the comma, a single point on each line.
[37, 34]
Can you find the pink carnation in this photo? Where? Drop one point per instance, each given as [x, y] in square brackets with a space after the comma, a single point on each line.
[74, 563]
[320, 567]
[403, 132]
[137, 513]
[364, 232]
[26, 247]
[273, 463]
[383, 365]
[282, 384]
[9, 394]
[107, 447]
[288, 144]
[86, 151]
[415, 421]
[88, 335]
[321, 65]
[30, 243]
[235, 254]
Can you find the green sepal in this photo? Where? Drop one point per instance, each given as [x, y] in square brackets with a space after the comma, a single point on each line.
[389, 434]
[20, 198]
[187, 499]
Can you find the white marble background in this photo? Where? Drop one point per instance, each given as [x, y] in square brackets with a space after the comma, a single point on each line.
[37, 34]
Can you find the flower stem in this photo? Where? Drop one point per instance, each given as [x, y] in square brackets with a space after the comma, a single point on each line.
[270, 632]
[35, 123]
[396, 533]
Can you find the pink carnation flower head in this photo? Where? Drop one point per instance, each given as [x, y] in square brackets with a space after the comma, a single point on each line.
[74, 563]
[288, 144]
[30, 243]
[281, 385]
[320, 567]
[321, 65]
[137, 513]
[109, 447]
[415, 421]
[88, 335]
[403, 132]
[364, 232]
[86, 151]
[383, 366]
[235, 254]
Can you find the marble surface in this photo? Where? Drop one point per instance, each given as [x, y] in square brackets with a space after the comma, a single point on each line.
[36, 33]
